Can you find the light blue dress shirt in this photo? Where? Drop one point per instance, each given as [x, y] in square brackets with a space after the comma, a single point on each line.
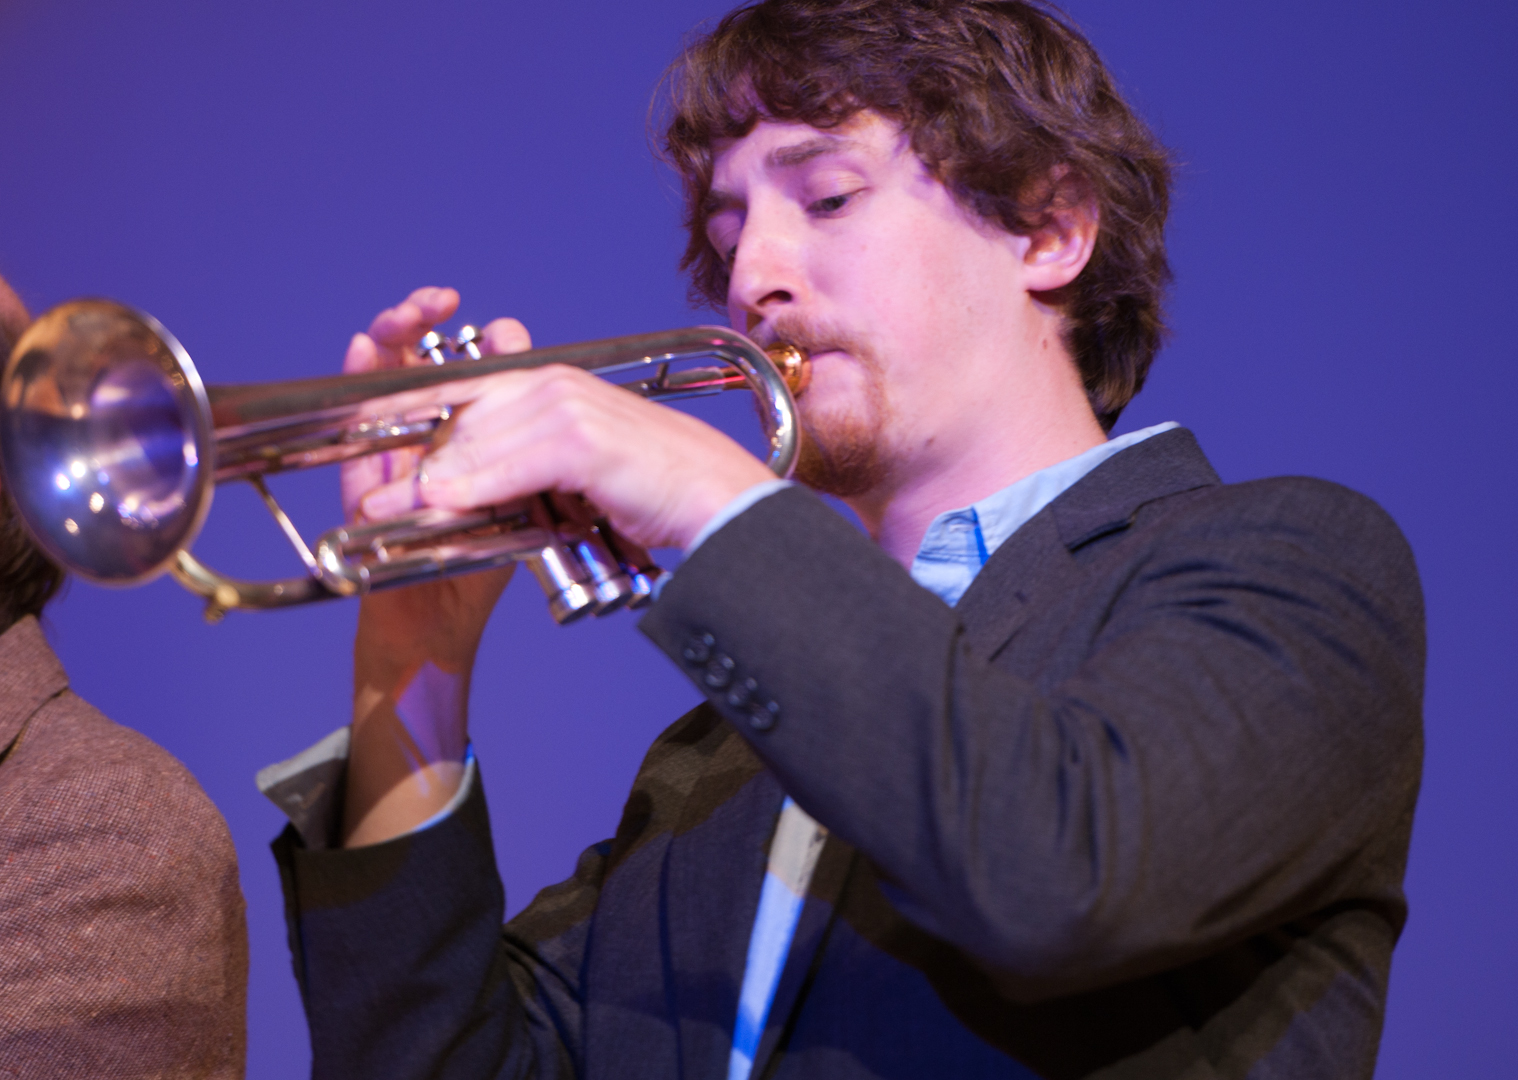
[955, 547]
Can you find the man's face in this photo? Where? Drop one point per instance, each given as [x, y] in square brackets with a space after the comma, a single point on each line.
[841, 241]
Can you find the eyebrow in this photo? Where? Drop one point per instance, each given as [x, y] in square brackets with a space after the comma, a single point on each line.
[787, 157]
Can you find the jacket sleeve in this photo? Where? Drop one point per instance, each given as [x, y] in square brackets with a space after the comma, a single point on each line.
[1238, 734]
[404, 966]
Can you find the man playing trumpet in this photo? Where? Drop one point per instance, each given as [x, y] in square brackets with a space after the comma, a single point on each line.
[1087, 765]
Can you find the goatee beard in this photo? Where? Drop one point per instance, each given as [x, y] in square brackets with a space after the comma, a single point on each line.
[842, 456]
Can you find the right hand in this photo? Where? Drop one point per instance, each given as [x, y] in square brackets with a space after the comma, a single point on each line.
[415, 646]
[443, 620]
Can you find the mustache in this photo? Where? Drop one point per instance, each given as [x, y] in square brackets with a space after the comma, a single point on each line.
[815, 335]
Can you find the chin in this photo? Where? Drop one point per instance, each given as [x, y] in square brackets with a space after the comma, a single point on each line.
[844, 443]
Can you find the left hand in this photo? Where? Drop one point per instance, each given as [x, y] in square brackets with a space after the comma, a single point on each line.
[659, 475]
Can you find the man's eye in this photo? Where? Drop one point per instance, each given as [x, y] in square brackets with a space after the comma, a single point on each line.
[831, 205]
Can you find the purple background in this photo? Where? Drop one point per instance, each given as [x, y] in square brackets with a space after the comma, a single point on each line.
[263, 177]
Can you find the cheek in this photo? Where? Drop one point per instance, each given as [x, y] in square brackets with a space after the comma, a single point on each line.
[899, 290]
[839, 384]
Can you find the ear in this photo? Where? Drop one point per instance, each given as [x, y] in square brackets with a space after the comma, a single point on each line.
[1059, 250]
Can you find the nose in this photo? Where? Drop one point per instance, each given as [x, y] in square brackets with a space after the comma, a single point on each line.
[767, 274]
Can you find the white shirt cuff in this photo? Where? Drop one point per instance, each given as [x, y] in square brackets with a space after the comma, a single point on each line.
[309, 789]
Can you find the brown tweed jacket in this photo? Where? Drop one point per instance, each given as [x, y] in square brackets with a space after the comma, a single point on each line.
[123, 944]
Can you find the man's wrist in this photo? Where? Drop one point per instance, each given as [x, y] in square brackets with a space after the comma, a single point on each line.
[735, 506]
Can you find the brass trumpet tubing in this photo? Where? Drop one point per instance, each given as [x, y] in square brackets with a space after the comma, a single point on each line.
[245, 450]
[307, 445]
[318, 413]
[222, 593]
[578, 574]
[112, 448]
[249, 405]
[356, 559]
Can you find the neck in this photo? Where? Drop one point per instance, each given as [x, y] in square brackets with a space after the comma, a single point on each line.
[925, 484]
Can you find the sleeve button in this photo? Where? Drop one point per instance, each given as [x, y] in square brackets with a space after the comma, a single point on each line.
[719, 672]
[698, 649]
[763, 717]
[742, 693]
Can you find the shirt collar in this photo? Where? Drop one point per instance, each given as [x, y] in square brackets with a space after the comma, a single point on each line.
[958, 542]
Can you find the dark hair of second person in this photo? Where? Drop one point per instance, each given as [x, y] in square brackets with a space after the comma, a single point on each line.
[28, 578]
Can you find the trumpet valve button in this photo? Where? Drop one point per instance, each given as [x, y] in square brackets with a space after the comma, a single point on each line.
[431, 347]
[468, 342]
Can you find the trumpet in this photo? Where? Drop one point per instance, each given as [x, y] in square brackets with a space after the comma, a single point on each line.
[112, 447]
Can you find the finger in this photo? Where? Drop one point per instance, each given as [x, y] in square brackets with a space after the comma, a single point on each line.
[532, 431]
[546, 438]
[362, 355]
[503, 336]
[405, 493]
[495, 426]
[436, 304]
[363, 475]
[533, 467]
[479, 474]
[399, 328]
[504, 401]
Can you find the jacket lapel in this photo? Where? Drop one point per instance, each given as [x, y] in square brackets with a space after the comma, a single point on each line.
[1036, 561]
[1030, 565]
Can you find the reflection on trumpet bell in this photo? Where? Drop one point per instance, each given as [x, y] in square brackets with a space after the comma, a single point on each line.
[111, 448]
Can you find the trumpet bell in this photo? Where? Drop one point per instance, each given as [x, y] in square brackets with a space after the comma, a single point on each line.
[106, 441]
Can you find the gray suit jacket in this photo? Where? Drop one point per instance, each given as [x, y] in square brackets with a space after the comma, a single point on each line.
[1138, 807]
[123, 946]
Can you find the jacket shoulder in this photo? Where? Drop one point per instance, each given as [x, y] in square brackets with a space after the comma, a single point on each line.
[68, 738]
[696, 764]
[121, 901]
[81, 790]
[1295, 496]
[1303, 509]
[1297, 532]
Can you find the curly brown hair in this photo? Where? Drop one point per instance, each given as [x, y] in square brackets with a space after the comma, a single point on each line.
[1001, 98]
[28, 578]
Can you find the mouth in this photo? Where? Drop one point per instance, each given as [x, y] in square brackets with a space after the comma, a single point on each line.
[767, 336]
[820, 338]
[814, 350]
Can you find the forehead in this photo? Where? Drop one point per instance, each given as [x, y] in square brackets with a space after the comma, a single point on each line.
[777, 147]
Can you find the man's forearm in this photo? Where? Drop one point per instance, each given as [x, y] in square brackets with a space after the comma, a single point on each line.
[406, 758]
